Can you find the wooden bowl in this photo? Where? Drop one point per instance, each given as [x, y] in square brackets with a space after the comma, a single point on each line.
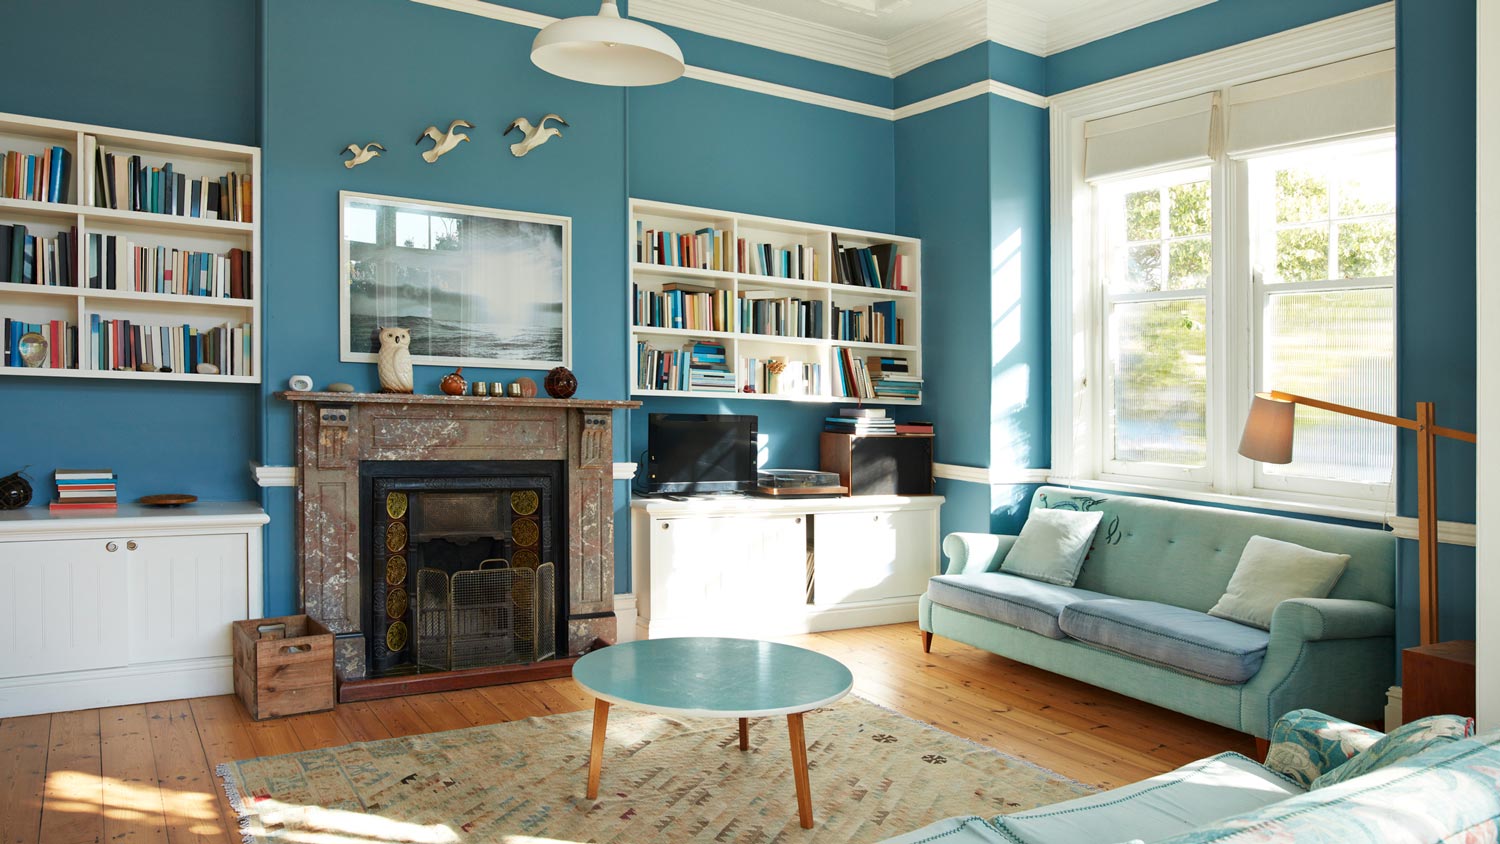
[168, 500]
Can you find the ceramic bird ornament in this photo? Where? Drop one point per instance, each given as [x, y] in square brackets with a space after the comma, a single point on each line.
[443, 142]
[394, 361]
[361, 154]
[534, 136]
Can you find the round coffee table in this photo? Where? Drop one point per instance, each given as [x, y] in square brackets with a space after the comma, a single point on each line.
[714, 678]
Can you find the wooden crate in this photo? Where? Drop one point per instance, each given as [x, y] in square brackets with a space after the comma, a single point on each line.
[283, 666]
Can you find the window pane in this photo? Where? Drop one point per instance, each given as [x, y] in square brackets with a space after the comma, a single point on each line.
[1189, 214]
[1367, 249]
[1301, 196]
[1160, 382]
[1340, 347]
[1143, 215]
[413, 230]
[1367, 184]
[1302, 254]
[1142, 268]
[1188, 268]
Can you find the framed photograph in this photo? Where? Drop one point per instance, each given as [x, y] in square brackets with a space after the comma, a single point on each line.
[475, 286]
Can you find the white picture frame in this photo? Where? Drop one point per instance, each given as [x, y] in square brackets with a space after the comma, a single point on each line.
[479, 287]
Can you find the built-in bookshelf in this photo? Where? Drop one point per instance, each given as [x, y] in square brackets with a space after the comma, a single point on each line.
[128, 251]
[839, 310]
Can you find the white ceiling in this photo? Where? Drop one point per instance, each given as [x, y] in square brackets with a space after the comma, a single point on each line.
[890, 37]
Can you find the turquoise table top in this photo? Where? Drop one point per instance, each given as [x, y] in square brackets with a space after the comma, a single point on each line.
[702, 676]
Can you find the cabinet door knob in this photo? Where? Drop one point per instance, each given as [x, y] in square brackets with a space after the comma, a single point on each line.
[665, 525]
[111, 547]
[131, 546]
[799, 520]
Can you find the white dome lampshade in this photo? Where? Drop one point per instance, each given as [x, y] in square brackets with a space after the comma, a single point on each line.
[606, 49]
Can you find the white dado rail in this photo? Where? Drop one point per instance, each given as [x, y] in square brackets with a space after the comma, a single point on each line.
[277, 476]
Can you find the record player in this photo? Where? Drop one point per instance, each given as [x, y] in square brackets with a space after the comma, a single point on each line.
[789, 483]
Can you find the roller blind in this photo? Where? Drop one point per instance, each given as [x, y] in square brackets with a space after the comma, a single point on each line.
[1175, 134]
[1341, 100]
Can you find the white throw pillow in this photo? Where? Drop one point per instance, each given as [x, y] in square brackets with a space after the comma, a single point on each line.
[1271, 571]
[1052, 545]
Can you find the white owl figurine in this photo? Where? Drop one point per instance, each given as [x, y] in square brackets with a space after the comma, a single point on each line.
[395, 360]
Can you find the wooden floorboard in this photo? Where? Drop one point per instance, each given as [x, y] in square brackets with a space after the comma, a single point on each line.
[145, 774]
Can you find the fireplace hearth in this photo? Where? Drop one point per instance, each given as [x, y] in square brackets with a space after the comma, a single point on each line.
[460, 461]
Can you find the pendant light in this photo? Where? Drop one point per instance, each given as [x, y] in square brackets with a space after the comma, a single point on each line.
[606, 49]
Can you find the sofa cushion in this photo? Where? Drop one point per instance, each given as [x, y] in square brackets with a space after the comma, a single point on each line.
[1184, 640]
[1271, 571]
[1052, 545]
[1017, 601]
[1153, 809]
[1404, 741]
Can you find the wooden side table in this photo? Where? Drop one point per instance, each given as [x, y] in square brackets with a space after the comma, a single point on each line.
[1437, 679]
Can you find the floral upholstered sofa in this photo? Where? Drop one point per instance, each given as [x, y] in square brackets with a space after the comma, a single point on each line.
[1324, 781]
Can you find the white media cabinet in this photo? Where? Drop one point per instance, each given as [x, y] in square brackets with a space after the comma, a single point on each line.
[131, 606]
[760, 567]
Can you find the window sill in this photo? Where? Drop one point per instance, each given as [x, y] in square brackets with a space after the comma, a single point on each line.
[1280, 505]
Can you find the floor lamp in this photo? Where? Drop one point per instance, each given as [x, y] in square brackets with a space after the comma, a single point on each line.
[1268, 439]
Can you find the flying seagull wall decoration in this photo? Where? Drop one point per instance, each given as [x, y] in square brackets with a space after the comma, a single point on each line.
[443, 142]
[534, 136]
[361, 154]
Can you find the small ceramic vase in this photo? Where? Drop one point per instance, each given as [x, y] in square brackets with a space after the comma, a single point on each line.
[453, 383]
[479, 388]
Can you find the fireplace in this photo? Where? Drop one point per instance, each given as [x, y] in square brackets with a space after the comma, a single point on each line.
[465, 457]
[459, 564]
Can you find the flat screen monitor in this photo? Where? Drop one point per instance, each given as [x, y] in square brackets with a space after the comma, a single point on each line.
[696, 452]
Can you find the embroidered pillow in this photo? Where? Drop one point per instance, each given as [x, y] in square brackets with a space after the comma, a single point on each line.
[1271, 571]
[1403, 742]
[1052, 545]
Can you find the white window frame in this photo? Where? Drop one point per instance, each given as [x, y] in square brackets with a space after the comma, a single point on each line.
[1077, 356]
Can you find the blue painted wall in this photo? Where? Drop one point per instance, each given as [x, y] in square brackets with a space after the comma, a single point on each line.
[1435, 338]
[196, 438]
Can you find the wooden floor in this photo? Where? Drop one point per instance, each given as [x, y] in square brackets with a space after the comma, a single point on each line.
[144, 774]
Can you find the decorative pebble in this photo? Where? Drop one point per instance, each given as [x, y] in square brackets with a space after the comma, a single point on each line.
[165, 369]
[147, 367]
[340, 387]
[208, 369]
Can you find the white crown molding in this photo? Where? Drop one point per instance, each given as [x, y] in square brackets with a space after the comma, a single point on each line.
[955, 31]
[989, 477]
[493, 11]
[1018, 27]
[1110, 17]
[1449, 533]
[745, 83]
[769, 30]
[273, 476]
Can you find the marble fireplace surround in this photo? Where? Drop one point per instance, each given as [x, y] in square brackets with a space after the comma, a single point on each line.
[337, 431]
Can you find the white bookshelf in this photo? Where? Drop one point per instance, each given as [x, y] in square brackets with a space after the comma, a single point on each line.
[35, 303]
[740, 344]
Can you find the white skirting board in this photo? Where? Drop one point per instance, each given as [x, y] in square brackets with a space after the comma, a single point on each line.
[171, 680]
[1392, 708]
[626, 619]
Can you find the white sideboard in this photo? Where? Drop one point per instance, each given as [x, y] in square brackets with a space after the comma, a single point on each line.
[766, 567]
[110, 608]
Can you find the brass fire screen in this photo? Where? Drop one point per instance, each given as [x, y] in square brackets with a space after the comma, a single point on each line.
[495, 615]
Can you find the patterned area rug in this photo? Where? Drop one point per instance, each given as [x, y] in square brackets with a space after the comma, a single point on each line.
[875, 774]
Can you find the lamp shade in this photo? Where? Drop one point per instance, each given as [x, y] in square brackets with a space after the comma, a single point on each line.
[1268, 430]
[606, 49]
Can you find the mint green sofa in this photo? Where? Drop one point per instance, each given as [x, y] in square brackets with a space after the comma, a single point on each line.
[1447, 792]
[1168, 563]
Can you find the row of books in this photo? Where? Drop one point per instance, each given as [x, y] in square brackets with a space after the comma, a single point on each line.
[799, 262]
[85, 489]
[775, 314]
[705, 249]
[115, 263]
[61, 337]
[877, 265]
[26, 258]
[796, 378]
[123, 344]
[874, 378]
[874, 323]
[40, 178]
[687, 306]
[129, 183]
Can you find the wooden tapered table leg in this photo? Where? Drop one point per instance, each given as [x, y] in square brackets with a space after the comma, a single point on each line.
[799, 769]
[596, 752]
[744, 734]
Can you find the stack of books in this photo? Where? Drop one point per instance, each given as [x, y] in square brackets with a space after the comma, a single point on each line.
[40, 178]
[891, 378]
[860, 421]
[84, 489]
[708, 369]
